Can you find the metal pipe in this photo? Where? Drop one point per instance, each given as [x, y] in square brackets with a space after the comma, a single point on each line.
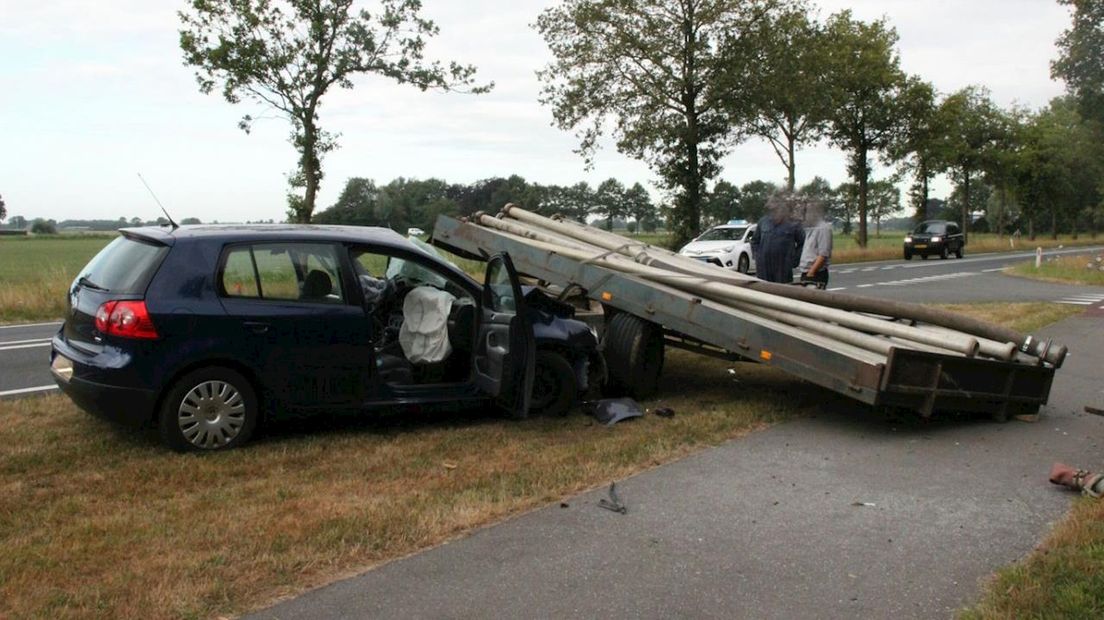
[963, 344]
[959, 323]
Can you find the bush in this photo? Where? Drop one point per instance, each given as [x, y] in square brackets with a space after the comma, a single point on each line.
[44, 227]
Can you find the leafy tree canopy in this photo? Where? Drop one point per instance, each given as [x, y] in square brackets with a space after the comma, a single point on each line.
[287, 54]
[1081, 57]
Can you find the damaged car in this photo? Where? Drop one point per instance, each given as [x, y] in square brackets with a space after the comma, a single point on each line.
[208, 331]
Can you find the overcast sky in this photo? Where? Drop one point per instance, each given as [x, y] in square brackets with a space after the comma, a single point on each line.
[95, 91]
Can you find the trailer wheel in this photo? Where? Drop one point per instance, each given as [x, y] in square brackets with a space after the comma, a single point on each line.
[633, 350]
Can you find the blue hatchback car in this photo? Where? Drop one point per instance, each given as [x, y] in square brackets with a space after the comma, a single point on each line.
[206, 330]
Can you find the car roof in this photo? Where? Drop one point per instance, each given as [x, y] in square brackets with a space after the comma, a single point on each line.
[374, 235]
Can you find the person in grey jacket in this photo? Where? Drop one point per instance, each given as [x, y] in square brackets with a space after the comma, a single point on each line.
[816, 254]
[778, 241]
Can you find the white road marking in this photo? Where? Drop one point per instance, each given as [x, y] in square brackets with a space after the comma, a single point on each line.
[7, 342]
[25, 346]
[41, 388]
[1081, 300]
[30, 325]
[838, 288]
[992, 270]
[870, 269]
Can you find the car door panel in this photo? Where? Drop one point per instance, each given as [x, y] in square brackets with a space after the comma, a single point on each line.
[505, 356]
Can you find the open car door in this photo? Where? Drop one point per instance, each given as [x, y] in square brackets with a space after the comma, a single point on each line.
[505, 354]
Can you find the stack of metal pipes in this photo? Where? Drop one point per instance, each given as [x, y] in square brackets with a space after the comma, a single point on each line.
[857, 323]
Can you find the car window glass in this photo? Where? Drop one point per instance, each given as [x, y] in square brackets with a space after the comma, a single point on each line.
[499, 289]
[934, 228]
[238, 277]
[124, 266]
[723, 234]
[381, 274]
[307, 272]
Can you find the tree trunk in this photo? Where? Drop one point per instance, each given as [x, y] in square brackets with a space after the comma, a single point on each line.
[790, 166]
[861, 170]
[965, 204]
[922, 210]
[1053, 222]
[1031, 229]
[309, 166]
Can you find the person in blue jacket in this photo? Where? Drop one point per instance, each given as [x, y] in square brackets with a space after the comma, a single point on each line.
[778, 240]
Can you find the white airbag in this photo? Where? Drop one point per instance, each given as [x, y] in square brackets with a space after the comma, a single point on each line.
[424, 332]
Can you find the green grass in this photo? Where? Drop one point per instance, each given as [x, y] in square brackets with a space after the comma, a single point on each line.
[36, 273]
[1065, 269]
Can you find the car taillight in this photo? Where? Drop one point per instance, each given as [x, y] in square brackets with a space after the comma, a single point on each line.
[128, 319]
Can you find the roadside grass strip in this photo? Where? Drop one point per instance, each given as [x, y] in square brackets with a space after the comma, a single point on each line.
[1062, 578]
[1065, 269]
[96, 521]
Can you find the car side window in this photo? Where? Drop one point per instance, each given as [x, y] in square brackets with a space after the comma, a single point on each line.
[308, 272]
[238, 277]
[952, 229]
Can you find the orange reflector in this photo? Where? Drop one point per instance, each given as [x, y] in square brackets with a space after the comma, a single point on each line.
[607, 296]
[765, 355]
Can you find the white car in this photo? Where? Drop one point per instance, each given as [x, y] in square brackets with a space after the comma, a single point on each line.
[728, 246]
[415, 232]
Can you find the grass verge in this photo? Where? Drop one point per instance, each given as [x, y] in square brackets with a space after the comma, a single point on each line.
[1064, 269]
[98, 522]
[1063, 578]
[1022, 317]
[36, 273]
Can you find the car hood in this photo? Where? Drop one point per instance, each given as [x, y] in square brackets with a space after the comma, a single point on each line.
[701, 247]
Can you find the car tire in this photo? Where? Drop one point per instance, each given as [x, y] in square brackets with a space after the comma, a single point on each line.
[208, 410]
[633, 349]
[555, 388]
[744, 264]
[943, 253]
[959, 252]
[908, 255]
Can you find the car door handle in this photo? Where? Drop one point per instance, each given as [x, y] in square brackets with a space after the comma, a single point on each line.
[257, 327]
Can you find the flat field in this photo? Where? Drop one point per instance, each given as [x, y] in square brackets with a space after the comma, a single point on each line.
[36, 273]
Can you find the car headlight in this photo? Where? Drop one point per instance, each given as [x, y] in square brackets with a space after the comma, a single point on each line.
[936, 239]
[908, 239]
[728, 248]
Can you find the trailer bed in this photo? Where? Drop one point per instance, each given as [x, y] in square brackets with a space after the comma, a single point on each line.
[920, 381]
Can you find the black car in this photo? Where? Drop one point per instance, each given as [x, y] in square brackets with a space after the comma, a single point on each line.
[935, 237]
[206, 330]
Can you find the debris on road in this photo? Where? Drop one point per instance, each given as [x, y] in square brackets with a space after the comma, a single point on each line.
[1094, 410]
[1088, 483]
[664, 412]
[614, 502]
[610, 411]
[866, 504]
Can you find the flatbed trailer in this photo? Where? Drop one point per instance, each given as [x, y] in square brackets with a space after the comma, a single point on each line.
[922, 381]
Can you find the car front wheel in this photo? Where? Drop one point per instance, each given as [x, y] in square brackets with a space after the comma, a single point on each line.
[209, 409]
[958, 252]
[908, 255]
[744, 264]
[554, 387]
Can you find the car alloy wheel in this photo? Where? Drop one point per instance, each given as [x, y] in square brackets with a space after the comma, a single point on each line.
[744, 264]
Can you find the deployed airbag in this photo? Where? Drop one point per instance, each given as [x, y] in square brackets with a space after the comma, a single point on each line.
[424, 332]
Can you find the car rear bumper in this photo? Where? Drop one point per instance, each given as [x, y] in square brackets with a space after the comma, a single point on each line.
[124, 405]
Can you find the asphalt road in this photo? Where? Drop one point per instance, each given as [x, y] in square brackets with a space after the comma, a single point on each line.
[844, 515]
[23, 359]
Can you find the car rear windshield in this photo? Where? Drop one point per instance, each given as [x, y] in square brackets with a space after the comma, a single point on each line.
[125, 266]
[934, 228]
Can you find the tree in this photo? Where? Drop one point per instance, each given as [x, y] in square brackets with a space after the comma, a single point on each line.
[609, 200]
[652, 71]
[1081, 57]
[885, 201]
[355, 206]
[722, 204]
[972, 129]
[190, 221]
[18, 222]
[753, 199]
[865, 81]
[287, 54]
[916, 147]
[3, 209]
[846, 205]
[44, 227]
[639, 205]
[820, 190]
[788, 71]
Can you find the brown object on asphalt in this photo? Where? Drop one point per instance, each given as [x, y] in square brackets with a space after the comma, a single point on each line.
[1094, 410]
[1077, 479]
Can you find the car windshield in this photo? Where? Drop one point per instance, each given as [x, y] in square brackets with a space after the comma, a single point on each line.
[931, 228]
[727, 233]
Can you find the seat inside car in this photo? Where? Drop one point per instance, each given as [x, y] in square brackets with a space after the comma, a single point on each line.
[317, 285]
